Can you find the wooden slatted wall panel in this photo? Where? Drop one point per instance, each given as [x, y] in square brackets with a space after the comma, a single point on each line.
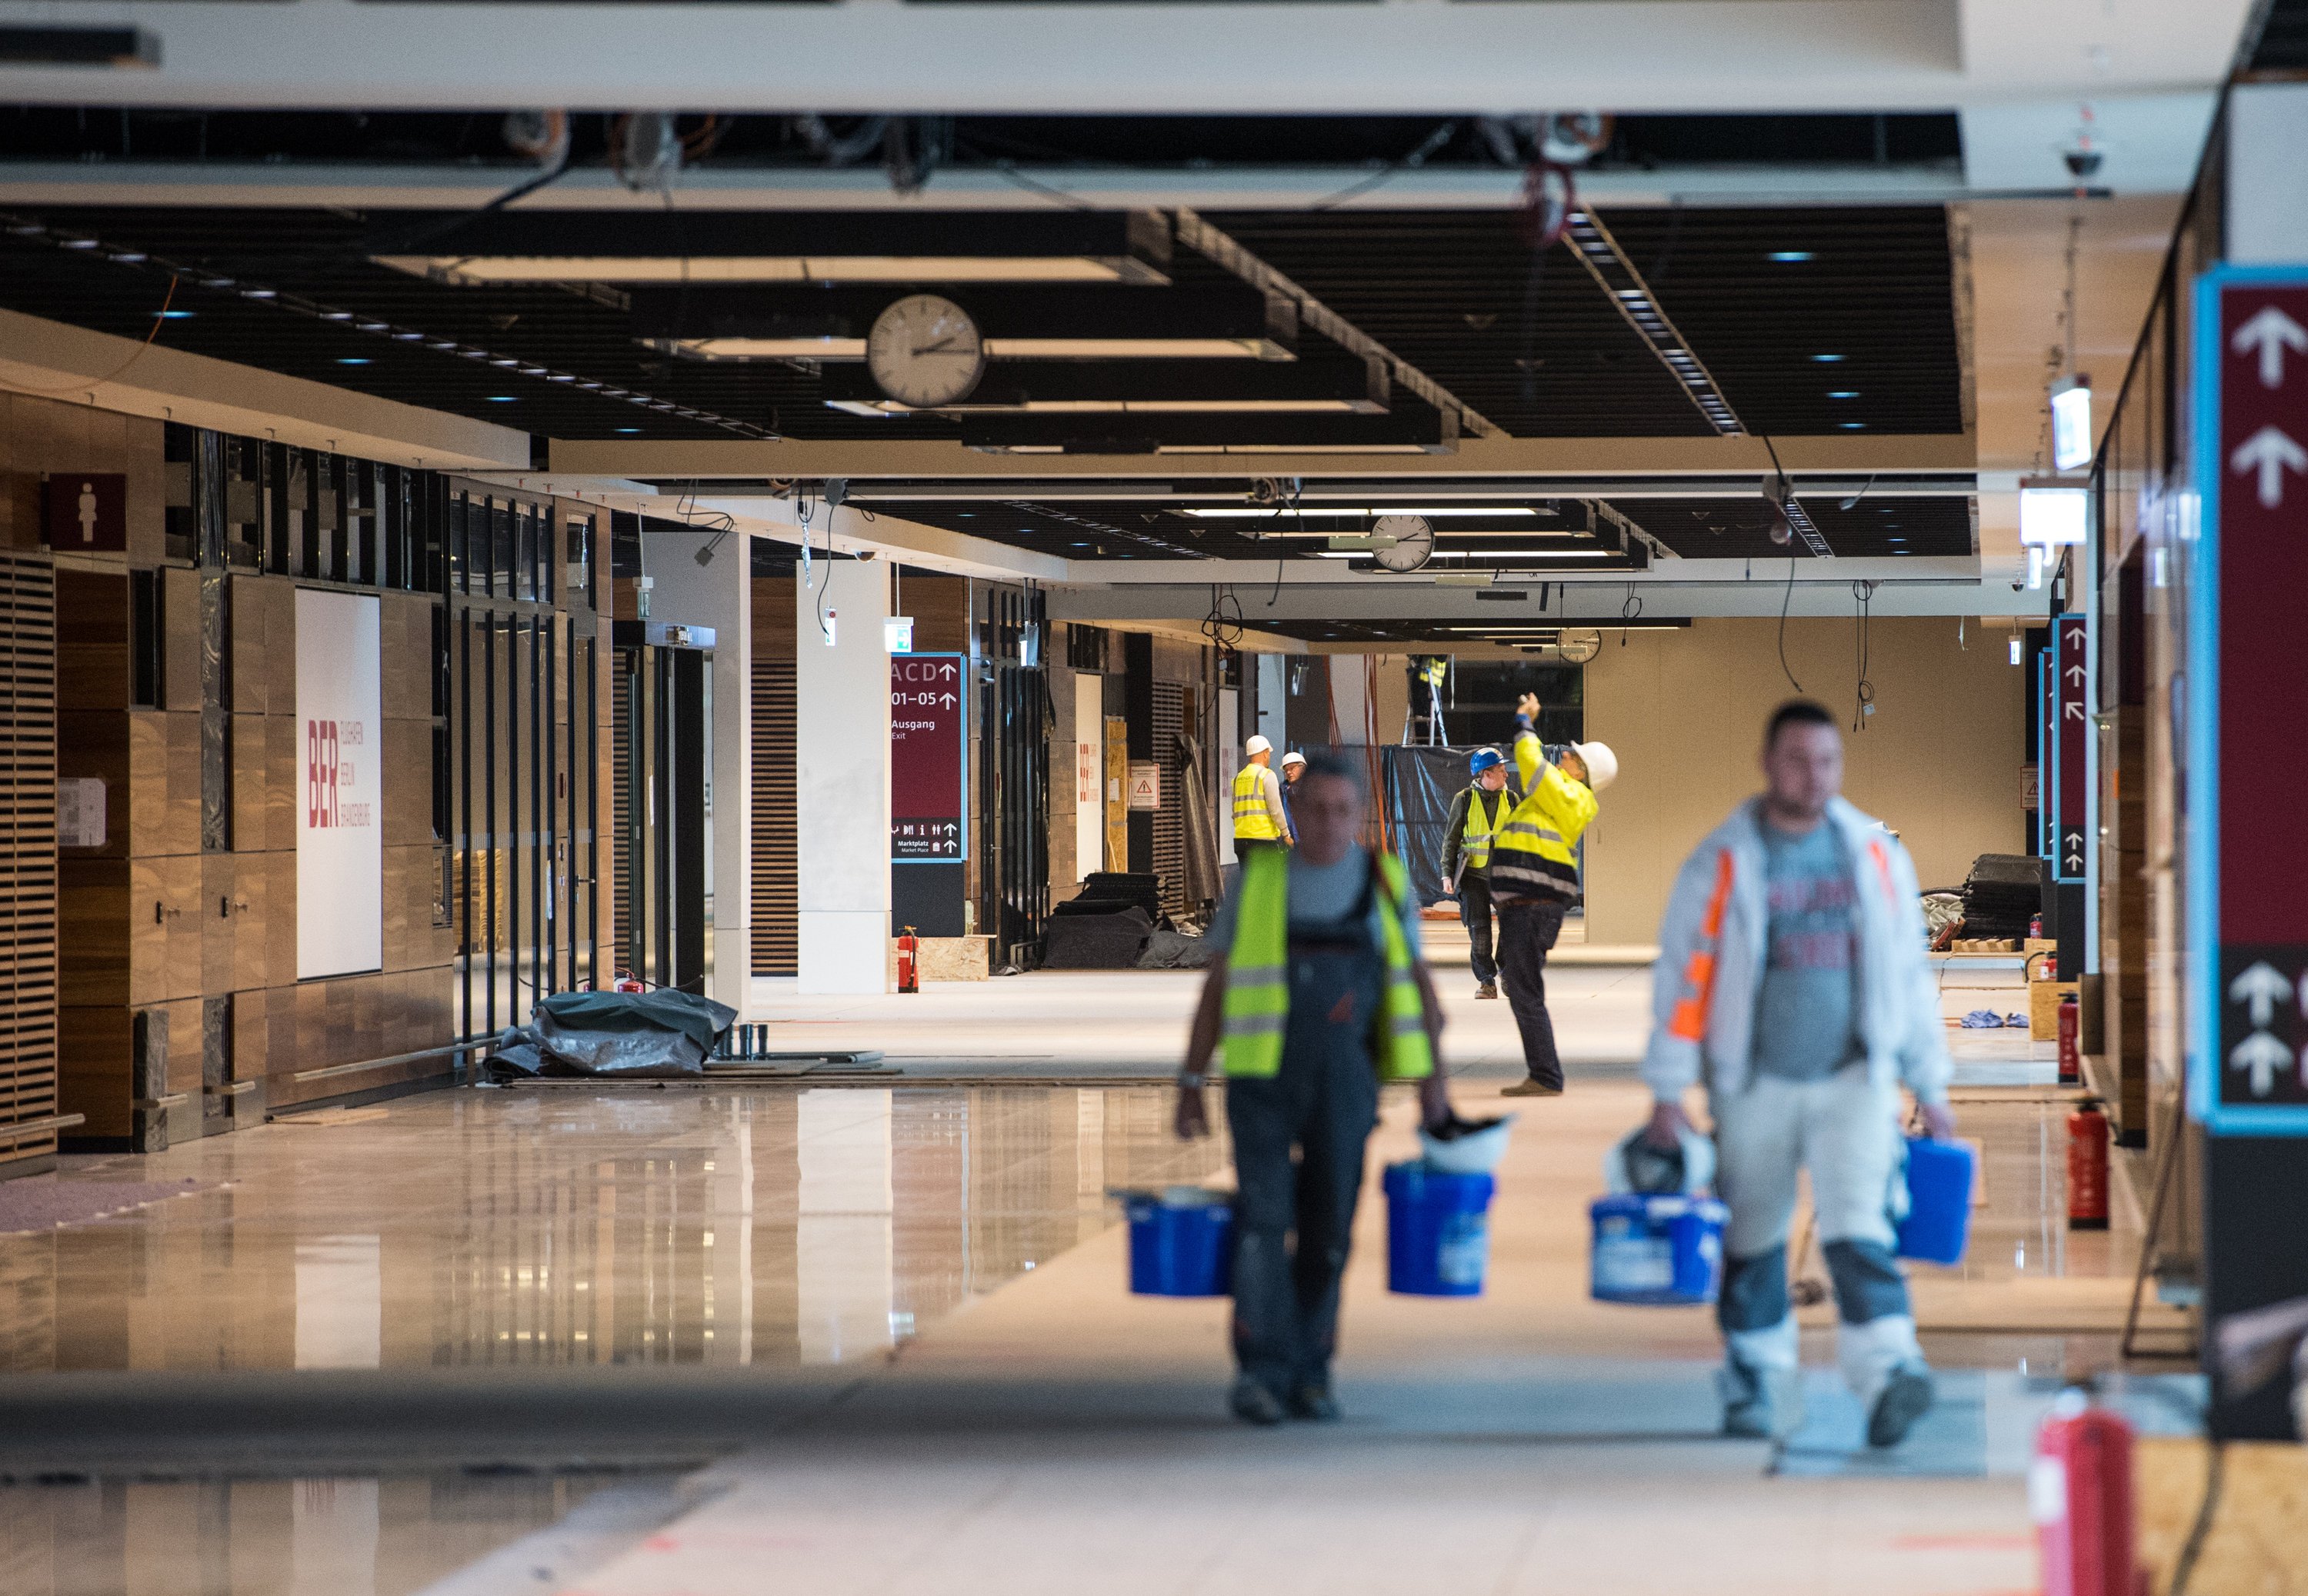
[28, 857]
[621, 787]
[1170, 819]
[777, 870]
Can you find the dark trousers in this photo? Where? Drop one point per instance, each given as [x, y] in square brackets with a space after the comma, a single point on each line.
[1527, 928]
[1475, 914]
[1294, 1218]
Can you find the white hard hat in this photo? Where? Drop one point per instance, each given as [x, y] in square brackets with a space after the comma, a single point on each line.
[1602, 764]
[1293, 758]
[1257, 745]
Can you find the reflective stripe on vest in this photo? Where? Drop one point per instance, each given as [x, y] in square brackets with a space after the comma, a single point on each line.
[1252, 821]
[1257, 1004]
[1477, 843]
[1535, 830]
[1690, 1019]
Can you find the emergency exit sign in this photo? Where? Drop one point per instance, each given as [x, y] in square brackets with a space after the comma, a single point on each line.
[2247, 705]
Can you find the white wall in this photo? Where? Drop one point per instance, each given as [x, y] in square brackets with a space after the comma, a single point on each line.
[842, 780]
[1684, 710]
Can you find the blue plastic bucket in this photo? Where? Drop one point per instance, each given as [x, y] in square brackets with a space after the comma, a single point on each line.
[1180, 1248]
[1438, 1232]
[1656, 1252]
[1938, 1225]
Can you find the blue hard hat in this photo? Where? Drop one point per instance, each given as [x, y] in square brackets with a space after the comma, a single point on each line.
[1483, 759]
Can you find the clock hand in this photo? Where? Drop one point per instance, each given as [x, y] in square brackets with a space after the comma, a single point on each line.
[944, 346]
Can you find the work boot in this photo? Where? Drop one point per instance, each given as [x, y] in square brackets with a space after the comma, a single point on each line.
[1906, 1397]
[1251, 1403]
[1760, 1405]
[1314, 1401]
[1532, 1088]
[1489, 989]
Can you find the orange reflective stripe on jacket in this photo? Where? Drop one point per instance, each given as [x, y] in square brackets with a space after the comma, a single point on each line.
[1884, 867]
[1690, 1021]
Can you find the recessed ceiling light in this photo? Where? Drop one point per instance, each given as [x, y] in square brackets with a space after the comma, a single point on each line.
[776, 269]
[1791, 254]
[336, 315]
[1827, 359]
[1844, 393]
[629, 429]
[352, 360]
[1852, 426]
[173, 316]
[502, 398]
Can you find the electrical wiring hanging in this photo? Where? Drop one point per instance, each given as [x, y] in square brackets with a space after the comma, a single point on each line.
[1864, 690]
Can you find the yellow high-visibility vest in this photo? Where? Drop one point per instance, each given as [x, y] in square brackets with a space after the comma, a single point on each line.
[1257, 1007]
[1474, 838]
[1534, 852]
[1251, 822]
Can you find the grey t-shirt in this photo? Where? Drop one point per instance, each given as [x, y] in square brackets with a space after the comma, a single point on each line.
[1804, 1015]
[1323, 898]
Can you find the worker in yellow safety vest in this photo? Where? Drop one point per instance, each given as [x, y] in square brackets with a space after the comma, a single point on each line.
[1477, 814]
[1260, 820]
[1317, 993]
[1535, 881]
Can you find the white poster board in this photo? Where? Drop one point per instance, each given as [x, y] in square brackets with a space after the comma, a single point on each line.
[1089, 766]
[341, 799]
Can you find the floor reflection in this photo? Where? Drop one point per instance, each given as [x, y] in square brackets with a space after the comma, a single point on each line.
[346, 1536]
[484, 1227]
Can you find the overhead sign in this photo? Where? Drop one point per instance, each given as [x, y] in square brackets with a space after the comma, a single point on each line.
[340, 807]
[2069, 666]
[87, 513]
[2247, 706]
[929, 710]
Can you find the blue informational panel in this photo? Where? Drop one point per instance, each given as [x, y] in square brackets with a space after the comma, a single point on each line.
[2246, 823]
[2067, 748]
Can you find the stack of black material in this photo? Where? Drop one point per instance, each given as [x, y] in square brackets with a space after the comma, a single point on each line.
[2003, 893]
[1105, 928]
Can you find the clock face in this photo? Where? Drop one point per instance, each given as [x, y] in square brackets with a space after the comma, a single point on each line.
[925, 351]
[1413, 544]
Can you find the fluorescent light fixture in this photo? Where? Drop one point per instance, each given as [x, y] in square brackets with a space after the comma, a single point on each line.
[775, 269]
[1264, 514]
[1827, 359]
[1844, 393]
[996, 349]
[1792, 255]
[1586, 553]
[2071, 423]
[2054, 514]
[1297, 407]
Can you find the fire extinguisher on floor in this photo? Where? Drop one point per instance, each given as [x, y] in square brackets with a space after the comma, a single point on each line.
[909, 978]
[2071, 1063]
[2080, 1494]
[2088, 1167]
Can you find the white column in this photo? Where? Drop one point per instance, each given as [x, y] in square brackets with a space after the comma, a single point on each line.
[719, 594]
[1273, 682]
[1350, 693]
[842, 779]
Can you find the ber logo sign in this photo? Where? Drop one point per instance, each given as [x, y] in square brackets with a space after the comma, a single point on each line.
[340, 842]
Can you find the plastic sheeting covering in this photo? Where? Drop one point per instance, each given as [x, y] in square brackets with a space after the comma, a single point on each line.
[657, 1033]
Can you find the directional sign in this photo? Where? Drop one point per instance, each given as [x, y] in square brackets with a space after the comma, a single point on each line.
[2247, 705]
[2069, 753]
[929, 701]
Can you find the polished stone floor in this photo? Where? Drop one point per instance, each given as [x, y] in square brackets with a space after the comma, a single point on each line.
[895, 1310]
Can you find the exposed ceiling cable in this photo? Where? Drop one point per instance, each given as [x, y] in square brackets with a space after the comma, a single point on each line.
[1222, 249]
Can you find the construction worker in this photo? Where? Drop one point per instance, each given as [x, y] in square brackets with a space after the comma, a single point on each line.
[1260, 819]
[1294, 766]
[1535, 881]
[1318, 993]
[1792, 981]
[1477, 813]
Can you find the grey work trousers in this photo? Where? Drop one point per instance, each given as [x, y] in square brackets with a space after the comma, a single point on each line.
[1294, 1217]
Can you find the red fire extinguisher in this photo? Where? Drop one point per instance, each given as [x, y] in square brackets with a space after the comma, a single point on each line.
[909, 970]
[2080, 1494]
[2088, 1167]
[2071, 1063]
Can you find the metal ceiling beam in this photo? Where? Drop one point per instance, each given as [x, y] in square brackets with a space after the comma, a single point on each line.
[1556, 461]
[1317, 494]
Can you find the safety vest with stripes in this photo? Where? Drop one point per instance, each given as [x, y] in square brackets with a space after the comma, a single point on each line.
[1252, 822]
[1257, 1009]
[1533, 854]
[1475, 837]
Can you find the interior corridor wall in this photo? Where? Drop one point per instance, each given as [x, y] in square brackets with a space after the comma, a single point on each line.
[1685, 708]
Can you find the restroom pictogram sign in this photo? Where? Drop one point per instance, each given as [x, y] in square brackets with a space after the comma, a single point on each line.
[87, 513]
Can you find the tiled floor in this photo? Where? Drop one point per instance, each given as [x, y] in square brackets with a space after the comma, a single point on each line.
[1037, 1426]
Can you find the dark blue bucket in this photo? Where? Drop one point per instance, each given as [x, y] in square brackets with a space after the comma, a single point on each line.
[1938, 1225]
[1438, 1232]
[1656, 1252]
[1180, 1248]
